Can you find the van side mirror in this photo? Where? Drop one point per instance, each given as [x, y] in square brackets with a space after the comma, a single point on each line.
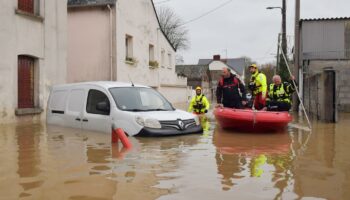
[103, 106]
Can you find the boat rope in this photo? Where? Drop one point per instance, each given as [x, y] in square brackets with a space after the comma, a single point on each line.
[296, 89]
[254, 116]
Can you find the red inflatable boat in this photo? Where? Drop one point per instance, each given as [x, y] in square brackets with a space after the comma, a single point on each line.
[248, 120]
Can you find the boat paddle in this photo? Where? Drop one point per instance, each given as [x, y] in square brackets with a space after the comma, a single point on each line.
[296, 89]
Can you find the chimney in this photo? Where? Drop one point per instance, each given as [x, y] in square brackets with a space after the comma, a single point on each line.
[216, 57]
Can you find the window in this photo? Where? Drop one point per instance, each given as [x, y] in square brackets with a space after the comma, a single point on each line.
[170, 63]
[128, 48]
[96, 97]
[151, 52]
[162, 58]
[29, 6]
[25, 82]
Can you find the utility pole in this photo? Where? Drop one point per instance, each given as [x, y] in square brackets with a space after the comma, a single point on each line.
[282, 70]
[296, 51]
[296, 38]
[278, 54]
[284, 29]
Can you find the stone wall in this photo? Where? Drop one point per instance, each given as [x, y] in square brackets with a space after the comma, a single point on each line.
[317, 92]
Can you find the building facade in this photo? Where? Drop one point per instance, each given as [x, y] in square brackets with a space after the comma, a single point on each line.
[236, 65]
[33, 48]
[325, 61]
[197, 75]
[121, 40]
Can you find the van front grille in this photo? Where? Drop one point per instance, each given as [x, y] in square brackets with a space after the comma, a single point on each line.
[178, 124]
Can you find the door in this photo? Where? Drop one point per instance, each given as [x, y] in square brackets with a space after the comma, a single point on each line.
[75, 107]
[25, 82]
[329, 96]
[94, 118]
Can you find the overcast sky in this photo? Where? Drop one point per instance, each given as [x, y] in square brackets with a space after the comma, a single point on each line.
[244, 27]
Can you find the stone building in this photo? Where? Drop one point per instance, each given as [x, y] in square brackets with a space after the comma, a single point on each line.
[325, 71]
[33, 48]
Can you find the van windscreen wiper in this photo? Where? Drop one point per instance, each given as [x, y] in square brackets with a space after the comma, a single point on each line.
[136, 110]
[158, 109]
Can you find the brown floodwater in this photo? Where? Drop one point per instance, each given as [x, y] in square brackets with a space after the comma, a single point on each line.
[49, 162]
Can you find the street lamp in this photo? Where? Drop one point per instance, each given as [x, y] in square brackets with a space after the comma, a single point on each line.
[284, 37]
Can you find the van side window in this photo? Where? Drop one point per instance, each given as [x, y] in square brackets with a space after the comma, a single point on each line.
[97, 103]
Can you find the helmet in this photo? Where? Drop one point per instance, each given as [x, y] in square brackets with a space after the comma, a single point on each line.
[198, 88]
[253, 65]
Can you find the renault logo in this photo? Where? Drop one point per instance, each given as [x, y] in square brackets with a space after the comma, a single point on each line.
[181, 124]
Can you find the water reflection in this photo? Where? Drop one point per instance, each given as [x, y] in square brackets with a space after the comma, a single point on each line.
[40, 162]
[205, 122]
[119, 152]
[238, 154]
[325, 163]
[133, 171]
[28, 142]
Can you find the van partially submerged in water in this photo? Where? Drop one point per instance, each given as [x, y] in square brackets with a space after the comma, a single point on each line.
[100, 106]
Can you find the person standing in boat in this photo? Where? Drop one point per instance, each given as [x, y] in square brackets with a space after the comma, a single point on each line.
[258, 86]
[279, 94]
[199, 103]
[230, 91]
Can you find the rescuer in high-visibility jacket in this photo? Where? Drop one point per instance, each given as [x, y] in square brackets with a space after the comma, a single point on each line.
[199, 103]
[258, 86]
[279, 94]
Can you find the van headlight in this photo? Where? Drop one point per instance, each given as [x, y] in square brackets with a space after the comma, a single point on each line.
[148, 122]
[196, 119]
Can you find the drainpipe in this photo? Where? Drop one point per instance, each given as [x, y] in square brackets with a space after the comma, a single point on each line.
[159, 49]
[110, 42]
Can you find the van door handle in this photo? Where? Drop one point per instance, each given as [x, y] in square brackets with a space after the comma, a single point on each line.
[85, 120]
[78, 119]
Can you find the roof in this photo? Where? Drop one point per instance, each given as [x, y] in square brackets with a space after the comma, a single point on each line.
[166, 37]
[192, 71]
[85, 3]
[237, 64]
[326, 19]
[103, 84]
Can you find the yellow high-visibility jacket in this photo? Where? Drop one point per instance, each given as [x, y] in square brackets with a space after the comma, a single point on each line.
[281, 93]
[199, 104]
[260, 83]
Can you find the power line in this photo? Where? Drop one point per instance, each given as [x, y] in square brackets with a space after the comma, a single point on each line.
[208, 12]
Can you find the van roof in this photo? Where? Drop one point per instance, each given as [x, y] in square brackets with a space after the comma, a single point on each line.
[104, 84]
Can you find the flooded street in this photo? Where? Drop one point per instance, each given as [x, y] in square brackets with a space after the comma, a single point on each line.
[50, 162]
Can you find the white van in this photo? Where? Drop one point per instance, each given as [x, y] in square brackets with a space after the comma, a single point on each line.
[101, 106]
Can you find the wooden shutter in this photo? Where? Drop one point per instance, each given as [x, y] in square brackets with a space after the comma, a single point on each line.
[26, 5]
[25, 82]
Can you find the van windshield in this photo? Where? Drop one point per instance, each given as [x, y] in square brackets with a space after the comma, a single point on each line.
[139, 99]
